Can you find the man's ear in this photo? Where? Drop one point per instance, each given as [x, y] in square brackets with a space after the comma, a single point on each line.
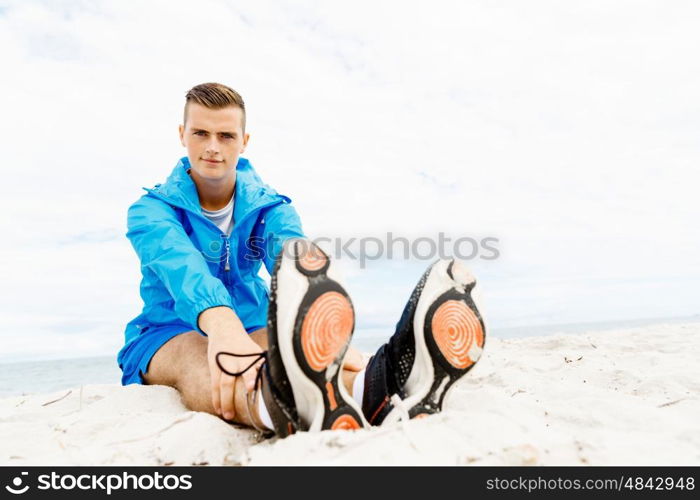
[245, 141]
[181, 130]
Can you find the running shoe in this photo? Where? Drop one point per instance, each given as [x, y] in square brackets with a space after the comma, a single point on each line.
[438, 339]
[310, 324]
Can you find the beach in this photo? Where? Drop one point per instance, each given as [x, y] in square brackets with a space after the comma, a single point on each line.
[619, 397]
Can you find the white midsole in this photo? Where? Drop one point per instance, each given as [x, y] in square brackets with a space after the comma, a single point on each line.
[291, 289]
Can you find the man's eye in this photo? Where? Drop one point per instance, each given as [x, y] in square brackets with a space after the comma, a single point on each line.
[227, 136]
[200, 132]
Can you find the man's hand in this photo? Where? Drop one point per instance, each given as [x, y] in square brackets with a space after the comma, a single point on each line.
[354, 360]
[226, 334]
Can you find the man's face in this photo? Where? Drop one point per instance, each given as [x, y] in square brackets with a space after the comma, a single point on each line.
[214, 140]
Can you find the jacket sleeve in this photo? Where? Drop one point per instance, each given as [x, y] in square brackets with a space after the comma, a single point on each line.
[281, 222]
[163, 247]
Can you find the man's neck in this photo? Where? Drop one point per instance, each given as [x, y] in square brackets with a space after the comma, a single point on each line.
[213, 195]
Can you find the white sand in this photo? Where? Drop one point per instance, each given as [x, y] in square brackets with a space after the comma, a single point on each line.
[616, 397]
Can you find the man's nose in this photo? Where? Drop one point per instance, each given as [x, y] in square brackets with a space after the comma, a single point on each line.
[213, 145]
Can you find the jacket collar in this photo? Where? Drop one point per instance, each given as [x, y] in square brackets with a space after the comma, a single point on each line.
[250, 192]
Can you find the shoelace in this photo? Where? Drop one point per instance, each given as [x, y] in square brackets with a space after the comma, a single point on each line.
[400, 405]
[258, 379]
[403, 417]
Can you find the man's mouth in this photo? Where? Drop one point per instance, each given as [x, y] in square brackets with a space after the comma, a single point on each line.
[213, 162]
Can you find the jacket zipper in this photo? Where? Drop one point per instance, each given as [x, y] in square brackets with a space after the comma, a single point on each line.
[227, 242]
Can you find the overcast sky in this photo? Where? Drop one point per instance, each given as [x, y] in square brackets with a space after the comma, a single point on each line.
[568, 130]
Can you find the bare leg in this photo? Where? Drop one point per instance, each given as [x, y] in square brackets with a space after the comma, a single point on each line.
[182, 363]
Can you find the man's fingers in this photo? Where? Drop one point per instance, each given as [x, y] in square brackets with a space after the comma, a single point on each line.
[250, 376]
[228, 388]
[224, 385]
[215, 393]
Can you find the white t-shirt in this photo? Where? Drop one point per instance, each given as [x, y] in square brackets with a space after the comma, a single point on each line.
[222, 218]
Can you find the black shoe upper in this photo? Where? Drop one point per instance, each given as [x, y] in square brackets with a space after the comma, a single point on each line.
[388, 370]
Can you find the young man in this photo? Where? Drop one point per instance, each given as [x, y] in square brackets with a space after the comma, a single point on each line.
[274, 360]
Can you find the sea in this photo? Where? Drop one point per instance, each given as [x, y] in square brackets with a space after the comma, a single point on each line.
[45, 376]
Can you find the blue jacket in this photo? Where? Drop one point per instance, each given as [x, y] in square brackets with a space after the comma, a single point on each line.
[189, 265]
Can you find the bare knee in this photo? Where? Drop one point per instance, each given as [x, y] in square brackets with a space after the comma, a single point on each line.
[182, 363]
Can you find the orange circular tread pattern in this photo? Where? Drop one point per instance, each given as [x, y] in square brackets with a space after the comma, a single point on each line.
[345, 422]
[455, 330]
[312, 258]
[326, 329]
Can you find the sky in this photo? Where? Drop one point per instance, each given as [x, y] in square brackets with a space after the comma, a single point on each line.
[567, 130]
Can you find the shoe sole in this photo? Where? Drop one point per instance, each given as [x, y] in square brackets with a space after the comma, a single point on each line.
[315, 320]
[449, 333]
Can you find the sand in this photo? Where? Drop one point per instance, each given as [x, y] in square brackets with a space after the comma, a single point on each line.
[619, 397]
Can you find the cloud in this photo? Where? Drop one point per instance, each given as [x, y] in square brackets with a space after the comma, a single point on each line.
[570, 132]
